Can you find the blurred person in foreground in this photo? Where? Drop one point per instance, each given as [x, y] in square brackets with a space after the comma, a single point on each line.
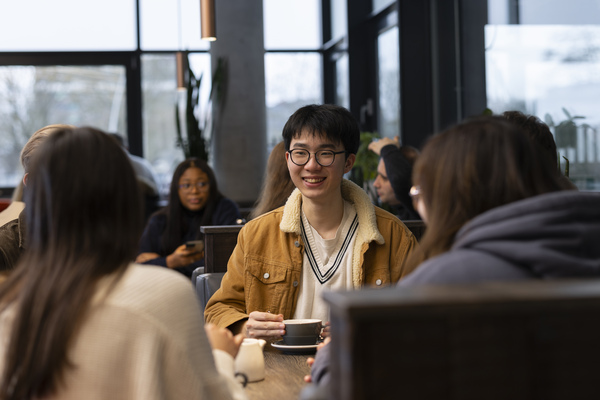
[277, 185]
[194, 201]
[328, 236]
[77, 320]
[12, 233]
[394, 174]
[494, 213]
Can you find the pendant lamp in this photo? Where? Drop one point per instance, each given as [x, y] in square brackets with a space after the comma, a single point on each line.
[181, 60]
[207, 19]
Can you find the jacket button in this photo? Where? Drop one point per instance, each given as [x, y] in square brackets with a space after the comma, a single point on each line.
[297, 243]
[378, 282]
[266, 275]
[295, 283]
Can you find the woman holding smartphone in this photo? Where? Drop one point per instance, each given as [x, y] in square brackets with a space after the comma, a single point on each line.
[194, 201]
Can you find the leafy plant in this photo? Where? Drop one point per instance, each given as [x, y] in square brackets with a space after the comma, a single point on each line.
[566, 166]
[365, 166]
[565, 132]
[197, 139]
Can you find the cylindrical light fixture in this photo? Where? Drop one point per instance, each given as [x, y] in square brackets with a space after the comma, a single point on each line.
[182, 69]
[207, 19]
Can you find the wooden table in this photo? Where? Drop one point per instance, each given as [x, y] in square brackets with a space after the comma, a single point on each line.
[284, 376]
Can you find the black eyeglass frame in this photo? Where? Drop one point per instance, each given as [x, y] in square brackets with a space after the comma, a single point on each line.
[291, 153]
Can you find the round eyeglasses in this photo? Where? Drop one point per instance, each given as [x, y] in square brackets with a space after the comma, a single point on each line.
[324, 158]
[415, 193]
[201, 186]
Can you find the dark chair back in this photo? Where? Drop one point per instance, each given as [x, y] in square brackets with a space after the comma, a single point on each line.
[525, 340]
[206, 285]
[219, 242]
[417, 227]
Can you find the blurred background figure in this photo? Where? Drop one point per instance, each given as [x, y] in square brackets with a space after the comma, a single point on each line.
[277, 185]
[15, 207]
[394, 174]
[146, 178]
[194, 201]
[77, 320]
[543, 140]
[12, 229]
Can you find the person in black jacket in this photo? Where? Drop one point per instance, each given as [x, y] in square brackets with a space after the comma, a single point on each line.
[394, 172]
[194, 201]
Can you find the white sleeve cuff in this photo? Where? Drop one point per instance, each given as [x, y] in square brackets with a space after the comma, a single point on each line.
[224, 362]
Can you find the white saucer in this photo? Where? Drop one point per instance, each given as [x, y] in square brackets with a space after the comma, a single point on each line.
[293, 348]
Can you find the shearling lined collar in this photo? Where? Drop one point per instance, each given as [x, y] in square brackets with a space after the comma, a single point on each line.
[367, 228]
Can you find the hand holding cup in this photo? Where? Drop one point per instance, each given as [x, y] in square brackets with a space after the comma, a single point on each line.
[302, 332]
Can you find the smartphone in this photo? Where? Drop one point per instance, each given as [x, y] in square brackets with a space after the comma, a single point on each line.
[196, 245]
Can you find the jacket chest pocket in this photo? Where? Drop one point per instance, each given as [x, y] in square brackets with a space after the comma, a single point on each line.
[377, 277]
[267, 286]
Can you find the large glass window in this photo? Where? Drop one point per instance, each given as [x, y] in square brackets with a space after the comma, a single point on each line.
[339, 18]
[67, 25]
[379, 4]
[171, 25]
[342, 79]
[160, 99]
[33, 97]
[293, 80]
[548, 66]
[293, 62]
[388, 56]
[292, 24]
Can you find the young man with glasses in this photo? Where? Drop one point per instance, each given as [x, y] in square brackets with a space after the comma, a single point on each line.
[328, 236]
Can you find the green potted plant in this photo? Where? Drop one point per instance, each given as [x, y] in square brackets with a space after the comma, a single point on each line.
[365, 166]
[565, 132]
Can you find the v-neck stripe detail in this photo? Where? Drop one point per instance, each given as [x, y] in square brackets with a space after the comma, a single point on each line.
[322, 278]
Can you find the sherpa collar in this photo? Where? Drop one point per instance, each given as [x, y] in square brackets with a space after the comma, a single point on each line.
[367, 221]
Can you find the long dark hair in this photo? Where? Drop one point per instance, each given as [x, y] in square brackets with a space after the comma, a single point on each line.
[83, 223]
[277, 185]
[473, 167]
[177, 223]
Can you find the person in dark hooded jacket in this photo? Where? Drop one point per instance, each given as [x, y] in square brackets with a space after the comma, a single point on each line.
[494, 213]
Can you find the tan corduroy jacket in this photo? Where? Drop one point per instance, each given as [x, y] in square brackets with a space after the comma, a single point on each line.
[264, 271]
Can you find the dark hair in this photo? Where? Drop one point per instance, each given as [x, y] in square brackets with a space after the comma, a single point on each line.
[83, 223]
[119, 138]
[177, 223]
[471, 168]
[277, 185]
[327, 120]
[539, 132]
[402, 178]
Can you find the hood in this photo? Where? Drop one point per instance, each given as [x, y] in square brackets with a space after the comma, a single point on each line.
[551, 235]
